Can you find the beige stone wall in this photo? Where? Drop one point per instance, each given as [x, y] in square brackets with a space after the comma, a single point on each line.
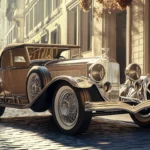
[2, 23]
[137, 35]
[104, 33]
[15, 28]
[60, 19]
[97, 34]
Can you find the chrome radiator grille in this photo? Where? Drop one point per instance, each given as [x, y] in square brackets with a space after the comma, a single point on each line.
[112, 76]
[112, 73]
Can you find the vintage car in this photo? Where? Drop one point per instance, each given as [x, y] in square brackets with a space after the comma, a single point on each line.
[39, 77]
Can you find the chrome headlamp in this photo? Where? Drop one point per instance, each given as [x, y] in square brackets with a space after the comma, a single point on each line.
[133, 72]
[97, 72]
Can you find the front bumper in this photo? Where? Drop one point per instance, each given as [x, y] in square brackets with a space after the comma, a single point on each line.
[116, 106]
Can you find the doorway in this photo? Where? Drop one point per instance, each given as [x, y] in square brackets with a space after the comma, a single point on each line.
[121, 43]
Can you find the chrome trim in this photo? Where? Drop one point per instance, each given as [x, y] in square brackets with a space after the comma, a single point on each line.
[138, 85]
[148, 90]
[130, 99]
[130, 91]
[129, 72]
[111, 106]
[100, 72]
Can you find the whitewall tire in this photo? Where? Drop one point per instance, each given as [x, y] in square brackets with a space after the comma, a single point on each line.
[68, 109]
[142, 118]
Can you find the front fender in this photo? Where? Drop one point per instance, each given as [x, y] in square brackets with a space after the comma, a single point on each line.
[78, 82]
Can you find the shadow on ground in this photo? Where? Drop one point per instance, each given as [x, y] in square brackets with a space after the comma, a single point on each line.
[100, 135]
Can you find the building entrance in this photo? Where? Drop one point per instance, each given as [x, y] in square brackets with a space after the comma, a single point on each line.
[121, 43]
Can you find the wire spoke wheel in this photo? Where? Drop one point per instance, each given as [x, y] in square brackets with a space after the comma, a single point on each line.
[34, 86]
[68, 109]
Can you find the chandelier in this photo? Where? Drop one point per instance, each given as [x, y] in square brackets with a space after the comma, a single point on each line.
[105, 4]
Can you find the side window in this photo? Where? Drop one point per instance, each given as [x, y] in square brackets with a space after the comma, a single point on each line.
[20, 58]
[6, 61]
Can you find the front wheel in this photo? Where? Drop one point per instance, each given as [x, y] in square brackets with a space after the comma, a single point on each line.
[68, 109]
[142, 118]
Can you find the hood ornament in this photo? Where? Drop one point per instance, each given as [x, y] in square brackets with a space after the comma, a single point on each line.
[105, 53]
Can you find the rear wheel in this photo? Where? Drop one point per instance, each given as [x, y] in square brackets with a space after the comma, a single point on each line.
[142, 118]
[38, 77]
[68, 109]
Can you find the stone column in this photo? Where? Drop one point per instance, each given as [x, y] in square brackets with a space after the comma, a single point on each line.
[137, 36]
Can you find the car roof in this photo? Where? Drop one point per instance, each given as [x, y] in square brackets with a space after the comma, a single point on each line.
[19, 45]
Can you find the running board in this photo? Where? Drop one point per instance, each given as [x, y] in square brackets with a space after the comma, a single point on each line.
[113, 106]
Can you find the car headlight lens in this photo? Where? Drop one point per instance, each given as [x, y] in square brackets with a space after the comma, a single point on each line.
[97, 72]
[133, 72]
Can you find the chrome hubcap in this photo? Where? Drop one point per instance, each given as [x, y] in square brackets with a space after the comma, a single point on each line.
[34, 86]
[68, 107]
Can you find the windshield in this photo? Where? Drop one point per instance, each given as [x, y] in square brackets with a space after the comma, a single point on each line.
[45, 52]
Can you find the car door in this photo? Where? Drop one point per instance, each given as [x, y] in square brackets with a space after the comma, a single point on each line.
[5, 76]
[19, 73]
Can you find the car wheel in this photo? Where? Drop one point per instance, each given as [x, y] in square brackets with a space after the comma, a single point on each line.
[68, 109]
[2, 110]
[37, 78]
[142, 118]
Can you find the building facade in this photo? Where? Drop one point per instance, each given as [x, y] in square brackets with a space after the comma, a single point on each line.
[2, 23]
[58, 22]
[14, 21]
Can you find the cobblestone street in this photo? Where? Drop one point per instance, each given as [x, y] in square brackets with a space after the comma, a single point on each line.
[23, 129]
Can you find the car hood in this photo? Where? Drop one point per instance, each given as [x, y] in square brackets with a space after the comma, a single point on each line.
[79, 61]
